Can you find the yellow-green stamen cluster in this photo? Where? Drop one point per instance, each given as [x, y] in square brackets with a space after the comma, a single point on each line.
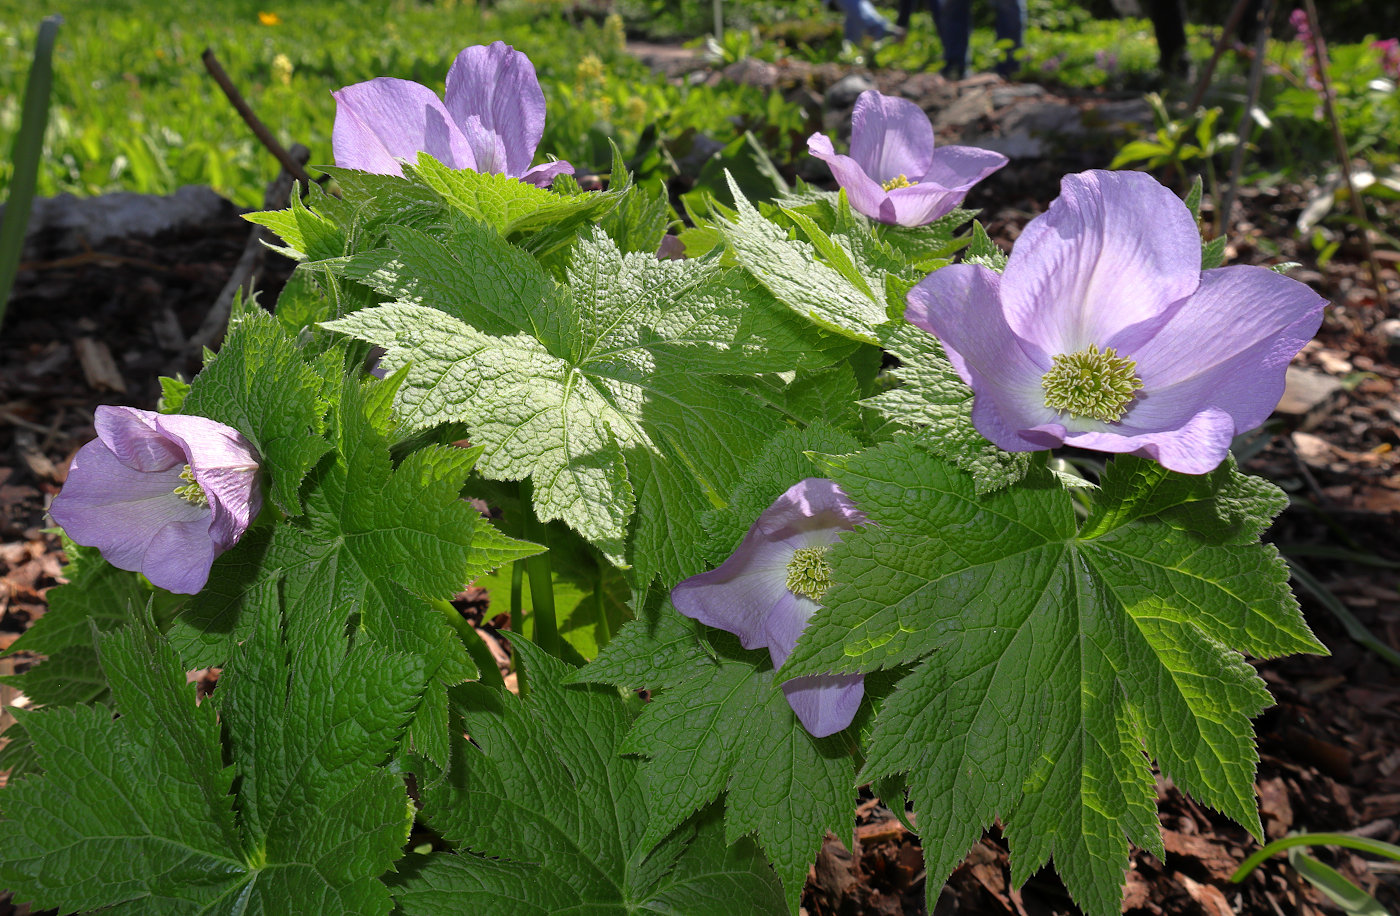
[808, 572]
[898, 181]
[1091, 384]
[191, 492]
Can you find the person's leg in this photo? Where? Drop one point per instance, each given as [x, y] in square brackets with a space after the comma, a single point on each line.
[1169, 24]
[862, 19]
[954, 21]
[906, 10]
[1010, 24]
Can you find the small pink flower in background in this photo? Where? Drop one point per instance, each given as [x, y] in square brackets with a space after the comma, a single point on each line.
[1390, 56]
[1104, 333]
[894, 174]
[491, 119]
[1299, 20]
[160, 495]
[772, 585]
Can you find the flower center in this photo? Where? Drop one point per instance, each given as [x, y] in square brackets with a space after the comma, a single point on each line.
[1091, 384]
[808, 573]
[191, 492]
[899, 181]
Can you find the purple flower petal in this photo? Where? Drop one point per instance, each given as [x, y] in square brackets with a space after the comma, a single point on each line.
[961, 306]
[748, 595]
[1242, 323]
[864, 193]
[543, 175]
[785, 621]
[890, 137]
[892, 143]
[491, 120]
[1109, 267]
[738, 595]
[825, 703]
[224, 465]
[123, 494]
[121, 510]
[1195, 447]
[383, 120]
[955, 169]
[132, 436]
[811, 512]
[496, 84]
[958, 168]
[1105, 262]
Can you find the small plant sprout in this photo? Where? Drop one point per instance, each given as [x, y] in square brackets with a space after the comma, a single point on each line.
[894, 174]
[490, 119]
[772, 584]
[160, 495]
[1104, 332]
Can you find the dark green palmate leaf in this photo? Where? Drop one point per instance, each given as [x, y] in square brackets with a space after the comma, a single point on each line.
[1053, 654]
[263, 386]
[97, 598]
[549, 819]
[140, 814]
[608, 393]
[375, 540]
[719, 724]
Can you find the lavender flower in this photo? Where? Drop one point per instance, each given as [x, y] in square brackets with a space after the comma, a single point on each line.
[492, 119]
[894, 174]
[1104, 332]
[160, 495]
[772, 584]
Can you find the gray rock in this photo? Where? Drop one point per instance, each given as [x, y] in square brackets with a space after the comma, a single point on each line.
[67, 224]
[844, 92]
[1123, 114]
[969, 108]
[1389, 331]
[1044, 118]
[752, 72]
[1011, 92]
[1020, 145]
[1307, 396]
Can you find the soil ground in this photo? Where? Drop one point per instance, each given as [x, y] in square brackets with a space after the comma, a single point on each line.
[98, 327]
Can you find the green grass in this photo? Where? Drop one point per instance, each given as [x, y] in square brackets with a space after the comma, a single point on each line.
[133, 108]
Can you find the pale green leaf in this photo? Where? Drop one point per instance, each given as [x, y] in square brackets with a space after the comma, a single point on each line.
[792, 272]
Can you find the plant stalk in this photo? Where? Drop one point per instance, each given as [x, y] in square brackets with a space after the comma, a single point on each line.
[1329, 105]
[28, 151]
[600, 606]
[1245, 127]
[541, 574]
[490, 675]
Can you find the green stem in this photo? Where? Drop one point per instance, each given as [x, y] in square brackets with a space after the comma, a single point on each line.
[27, 154]
[517, 611]
[541, 574]
[600, 606]
[489, 675]
[1363, 844]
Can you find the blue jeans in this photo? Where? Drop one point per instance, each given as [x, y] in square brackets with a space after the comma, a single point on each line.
[863, 19]
[954, 21]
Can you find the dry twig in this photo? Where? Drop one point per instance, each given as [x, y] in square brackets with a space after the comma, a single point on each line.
[289, 162]
[245, 272]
